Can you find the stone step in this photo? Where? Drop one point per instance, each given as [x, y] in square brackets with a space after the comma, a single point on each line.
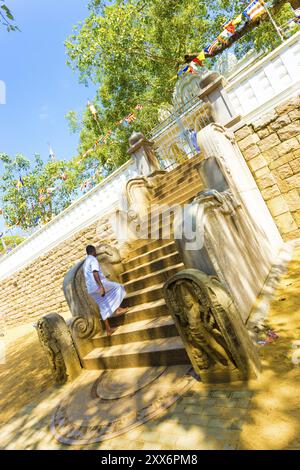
[178, 175]
[143, 311]
[143, 330]
[144, 247]
[153, 278]
[147, 294]
[151, 266]
[179, 195]
[154, 352]
[173, 188]
[162, 248]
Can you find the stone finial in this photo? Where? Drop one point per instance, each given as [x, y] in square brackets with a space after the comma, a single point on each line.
[142, 150]
[57, 342]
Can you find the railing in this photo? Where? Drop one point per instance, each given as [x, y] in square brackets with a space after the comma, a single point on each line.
[175, 138]
[266, 82]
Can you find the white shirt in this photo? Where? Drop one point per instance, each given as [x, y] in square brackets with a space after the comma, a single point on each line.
[91, 264]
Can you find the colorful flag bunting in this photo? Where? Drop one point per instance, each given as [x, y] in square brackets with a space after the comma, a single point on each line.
[51, 153]
[254, 10]
[212, 47]
[224, 36]
[237, 20]
[230, 27]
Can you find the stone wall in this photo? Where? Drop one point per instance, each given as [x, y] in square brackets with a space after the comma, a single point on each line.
[271, 147]
[36, 290]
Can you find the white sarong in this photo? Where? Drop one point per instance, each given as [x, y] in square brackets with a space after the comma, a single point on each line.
[114, 296]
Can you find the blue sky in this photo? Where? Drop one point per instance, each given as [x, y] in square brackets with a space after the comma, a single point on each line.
[40, 87]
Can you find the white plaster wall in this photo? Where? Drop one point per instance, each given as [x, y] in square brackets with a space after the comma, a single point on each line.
[268, 81]
[78, 215]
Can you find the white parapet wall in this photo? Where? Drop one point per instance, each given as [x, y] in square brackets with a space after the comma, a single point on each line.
[82, 213]
[266, 82]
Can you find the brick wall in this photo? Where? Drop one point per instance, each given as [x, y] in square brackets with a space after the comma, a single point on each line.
[271, 147]
[36, 290]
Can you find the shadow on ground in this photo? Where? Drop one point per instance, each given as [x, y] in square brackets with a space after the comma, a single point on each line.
[263, 414]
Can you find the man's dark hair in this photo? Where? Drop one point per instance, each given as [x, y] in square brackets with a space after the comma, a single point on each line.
[90, 249]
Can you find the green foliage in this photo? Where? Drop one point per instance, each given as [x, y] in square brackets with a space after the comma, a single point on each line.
[132, 49]
[31, 204]
[10, 243]
[6, 17]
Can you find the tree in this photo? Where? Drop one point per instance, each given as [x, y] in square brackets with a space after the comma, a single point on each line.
[6, 17]
[132, 50]
[32, 193]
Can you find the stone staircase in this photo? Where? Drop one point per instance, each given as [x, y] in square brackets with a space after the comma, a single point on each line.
[146, 335]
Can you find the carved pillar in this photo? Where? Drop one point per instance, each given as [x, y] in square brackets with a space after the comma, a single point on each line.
[57, 342]
[219, 144]
[142, 151]
[213, 92]
[215, 338]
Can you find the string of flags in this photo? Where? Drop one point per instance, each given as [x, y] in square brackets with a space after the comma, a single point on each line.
[252, 12]
[131, 117]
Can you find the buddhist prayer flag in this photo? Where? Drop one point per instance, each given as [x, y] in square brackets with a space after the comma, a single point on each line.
[92, 110]
[20, 183]
[51, 153]
[185, 69]
[237, 20]
[254, 10]
[212, 47]
[230, 27]
[198, 60]
[224, 36]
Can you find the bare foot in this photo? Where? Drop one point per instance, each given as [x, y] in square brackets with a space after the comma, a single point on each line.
[111, 331]
[121, 311]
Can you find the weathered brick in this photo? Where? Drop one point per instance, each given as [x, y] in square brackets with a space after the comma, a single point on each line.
[271, 192]
[243, 132]
[269, 142]
[295, 114]
[270, 155]
[262, 172]
[295, 165]
[251, 152]
[288, 106]
[257, 163]
[293, 200]
[264, 120]
[264, 132]
[248, 141]
[266, 181]
[277, 206]
[288, 157]
[287, 146]
[280, 122]
[294, 181]
[285, 171]
[286, 223]
[289, 131]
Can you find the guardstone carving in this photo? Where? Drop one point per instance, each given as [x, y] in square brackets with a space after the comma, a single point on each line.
[57, 342]
[216, 340]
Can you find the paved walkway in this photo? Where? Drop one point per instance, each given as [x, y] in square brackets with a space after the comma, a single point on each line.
[263, 414]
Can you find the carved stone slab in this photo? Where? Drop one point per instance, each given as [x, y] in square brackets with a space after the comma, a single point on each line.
[214, 335]
[57, 342]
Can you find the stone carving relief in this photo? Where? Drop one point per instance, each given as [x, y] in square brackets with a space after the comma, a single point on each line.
[57, 342]
[216, 340]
